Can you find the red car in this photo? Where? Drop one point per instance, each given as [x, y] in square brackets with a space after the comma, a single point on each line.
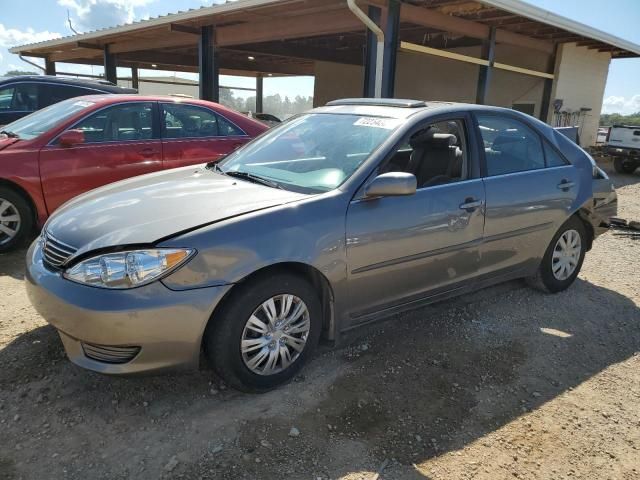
[82, 143]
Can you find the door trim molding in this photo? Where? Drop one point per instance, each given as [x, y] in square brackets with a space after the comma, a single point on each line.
[515, 233]
[453, 248]
[417, 256]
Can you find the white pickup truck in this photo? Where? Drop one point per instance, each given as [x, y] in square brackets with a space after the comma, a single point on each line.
[623, 144]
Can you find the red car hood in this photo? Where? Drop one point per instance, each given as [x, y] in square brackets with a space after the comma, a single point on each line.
[6, 141]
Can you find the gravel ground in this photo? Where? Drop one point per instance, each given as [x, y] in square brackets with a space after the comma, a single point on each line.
[506, 382]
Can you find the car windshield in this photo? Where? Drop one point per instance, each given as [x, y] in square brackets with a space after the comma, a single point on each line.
[311, 153]
[43, 120]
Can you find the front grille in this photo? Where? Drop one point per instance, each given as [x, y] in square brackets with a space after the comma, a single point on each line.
[105, 354]
[55, 252]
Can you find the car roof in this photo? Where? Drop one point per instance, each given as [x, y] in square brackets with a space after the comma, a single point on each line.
[404, 108]
[119, 98]
[96, 83]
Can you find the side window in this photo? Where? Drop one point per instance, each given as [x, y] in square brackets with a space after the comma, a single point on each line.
[436, 154]
[119, 123]
[554, 159]
[57, 93]
[20, 97]
[226, 128]
[510, 146]
[189, 121]
[6, 97]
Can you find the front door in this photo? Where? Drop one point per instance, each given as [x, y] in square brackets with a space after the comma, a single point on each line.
[401, 250]
[530, 189]
[120, 142]
[192, 134]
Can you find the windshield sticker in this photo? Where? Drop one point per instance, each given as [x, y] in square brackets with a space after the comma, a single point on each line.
[376, 122]
[83, 103]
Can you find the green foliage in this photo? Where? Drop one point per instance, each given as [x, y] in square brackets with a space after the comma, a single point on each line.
[273, 104]
[609, 119]
[17, 73]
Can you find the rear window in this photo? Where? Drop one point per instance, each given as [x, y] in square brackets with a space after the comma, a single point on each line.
[569, 149]
[44, 120]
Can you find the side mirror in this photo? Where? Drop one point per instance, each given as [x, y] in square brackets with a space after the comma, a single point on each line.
[71, 138]
[392, 184]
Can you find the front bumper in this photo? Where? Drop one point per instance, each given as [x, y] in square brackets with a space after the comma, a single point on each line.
[630, 153]
[605, 205]
[161, 328]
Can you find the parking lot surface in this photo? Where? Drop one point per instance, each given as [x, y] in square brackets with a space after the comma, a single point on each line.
[504, 383]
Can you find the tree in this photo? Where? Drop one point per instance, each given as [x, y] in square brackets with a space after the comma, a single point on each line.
[282, 108]
[17, 73]
[608, 119]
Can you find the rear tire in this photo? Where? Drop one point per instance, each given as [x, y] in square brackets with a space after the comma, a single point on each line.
[567, 248]
[16, 219]
[622, 165]
[241, 349]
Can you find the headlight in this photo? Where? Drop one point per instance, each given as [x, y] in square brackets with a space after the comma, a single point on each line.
[127, 269]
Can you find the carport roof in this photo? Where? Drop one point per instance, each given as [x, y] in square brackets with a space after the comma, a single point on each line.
[287, 36]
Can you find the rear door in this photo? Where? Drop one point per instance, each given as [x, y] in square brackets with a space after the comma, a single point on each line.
[51, 93]
[121, 141]
[401, 250]
[18, 100]
[193, 134]
[530, 188]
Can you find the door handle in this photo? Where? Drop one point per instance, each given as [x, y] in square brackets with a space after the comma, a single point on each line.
[566, 185]
[470, 204]
[147, 152]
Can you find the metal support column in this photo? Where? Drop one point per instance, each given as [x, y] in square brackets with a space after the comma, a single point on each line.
[484, 76]
[371, 45]
[548, 87]
[259, 93]
[134, 78]
[208, 65]
[110, 72]
[392, 29]
[49, 67]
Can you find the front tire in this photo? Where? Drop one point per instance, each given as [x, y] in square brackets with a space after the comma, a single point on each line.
[622, 165]
[16, 219]
[563, 258]
[264, 332]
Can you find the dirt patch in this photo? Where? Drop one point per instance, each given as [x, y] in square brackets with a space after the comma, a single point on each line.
[504, 383]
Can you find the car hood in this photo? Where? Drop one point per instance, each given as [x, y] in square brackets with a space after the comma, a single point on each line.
[6, 141]
[145, 209]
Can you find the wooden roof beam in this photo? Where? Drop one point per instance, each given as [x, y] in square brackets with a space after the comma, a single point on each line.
[173, 60]
[350, 56]
[589, 43]
[89, 46]
[176, 27]
[434, 19]
[325, 23]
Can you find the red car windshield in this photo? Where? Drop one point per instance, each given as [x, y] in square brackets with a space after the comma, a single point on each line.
[37, 123]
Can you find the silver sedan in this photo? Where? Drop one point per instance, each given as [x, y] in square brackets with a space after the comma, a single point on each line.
[336, 218]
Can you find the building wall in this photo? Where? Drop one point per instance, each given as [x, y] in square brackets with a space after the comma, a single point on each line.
[336, 80]
[581, 76]
[152, 88]
[430, 77]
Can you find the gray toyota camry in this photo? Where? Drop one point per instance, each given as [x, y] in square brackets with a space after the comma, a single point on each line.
[338, 217]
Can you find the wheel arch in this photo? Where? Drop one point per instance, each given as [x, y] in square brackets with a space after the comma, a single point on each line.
[584, 215]
[24, 194]
[303, 270]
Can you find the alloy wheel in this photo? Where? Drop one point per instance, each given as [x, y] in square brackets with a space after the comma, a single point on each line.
[9, 221]
[566, 255]
[275, 334]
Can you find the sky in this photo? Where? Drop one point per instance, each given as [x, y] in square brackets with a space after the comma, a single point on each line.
[41, 20]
